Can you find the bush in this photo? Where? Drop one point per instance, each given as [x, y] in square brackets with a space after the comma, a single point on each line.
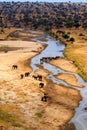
[56, 36]
[1, 31]
[68, 32]
[15, 35]
[72, 39]
[39, 114]
[66, 36]
[84, 25]
[47, 29]
[81, 34]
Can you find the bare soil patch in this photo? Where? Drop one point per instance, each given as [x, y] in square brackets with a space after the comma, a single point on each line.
[70, 79]
[64, 64]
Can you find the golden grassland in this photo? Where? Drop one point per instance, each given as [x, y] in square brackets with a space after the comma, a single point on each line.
[76, 51]
[79, 56]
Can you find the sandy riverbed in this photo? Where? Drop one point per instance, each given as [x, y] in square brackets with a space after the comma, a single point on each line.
[21, 98]
[68, 66]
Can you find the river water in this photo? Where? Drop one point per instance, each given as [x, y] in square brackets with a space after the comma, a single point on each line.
[55, 48]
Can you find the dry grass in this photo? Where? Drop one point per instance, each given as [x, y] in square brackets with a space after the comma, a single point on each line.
[43, 39]
[6, 32]
[4, 48]
[77, 51]
[69, 126]
[78, 55]
[10, 116]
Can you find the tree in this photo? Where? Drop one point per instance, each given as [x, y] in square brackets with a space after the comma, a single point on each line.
[26, 18]
[1, 30]
[69, 24]
[84, 25]
[76, 24]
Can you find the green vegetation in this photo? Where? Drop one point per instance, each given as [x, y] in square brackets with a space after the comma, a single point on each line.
[56, 36]
[7, 48]
[9, 118]
[61, 35]
[84, 25]
[39, 114]
[1, 30]
[15, 35]
[66, 36]
[79, 60]
[47, 29]
[45, 16]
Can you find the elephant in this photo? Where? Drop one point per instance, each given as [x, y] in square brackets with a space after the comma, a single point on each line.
[21, 76]
[41, 85]
[14, 67]
[44, 98]
[27, 74]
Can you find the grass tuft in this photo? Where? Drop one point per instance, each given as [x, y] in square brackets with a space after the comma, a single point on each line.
[39, 114]
[5, 117]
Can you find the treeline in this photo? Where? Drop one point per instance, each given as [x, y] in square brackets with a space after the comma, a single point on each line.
[43, 15]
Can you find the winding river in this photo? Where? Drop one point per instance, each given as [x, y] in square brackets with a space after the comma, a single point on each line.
[55, 48]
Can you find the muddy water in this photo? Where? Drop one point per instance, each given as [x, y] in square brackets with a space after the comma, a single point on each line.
[55, 48]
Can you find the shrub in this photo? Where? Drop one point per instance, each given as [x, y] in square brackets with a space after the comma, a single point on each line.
[81, 34]
[84, 25]
[38, 114]
[72, 39]
[56, 36]
[1, 31]
[68, 32]
[9, 118]
[15, 35]
[66, 36]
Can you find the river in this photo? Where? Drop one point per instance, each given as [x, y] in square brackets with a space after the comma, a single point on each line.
[55, 48]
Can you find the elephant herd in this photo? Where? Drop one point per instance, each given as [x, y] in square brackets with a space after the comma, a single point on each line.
[41, 85]
[36, 77]
[26, 74]
[47, 59]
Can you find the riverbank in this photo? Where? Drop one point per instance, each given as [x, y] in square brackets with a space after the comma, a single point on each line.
[63, 96]
[21, 107]
[18, 96]
[68, 66]
[75, 50]
[62, 101]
